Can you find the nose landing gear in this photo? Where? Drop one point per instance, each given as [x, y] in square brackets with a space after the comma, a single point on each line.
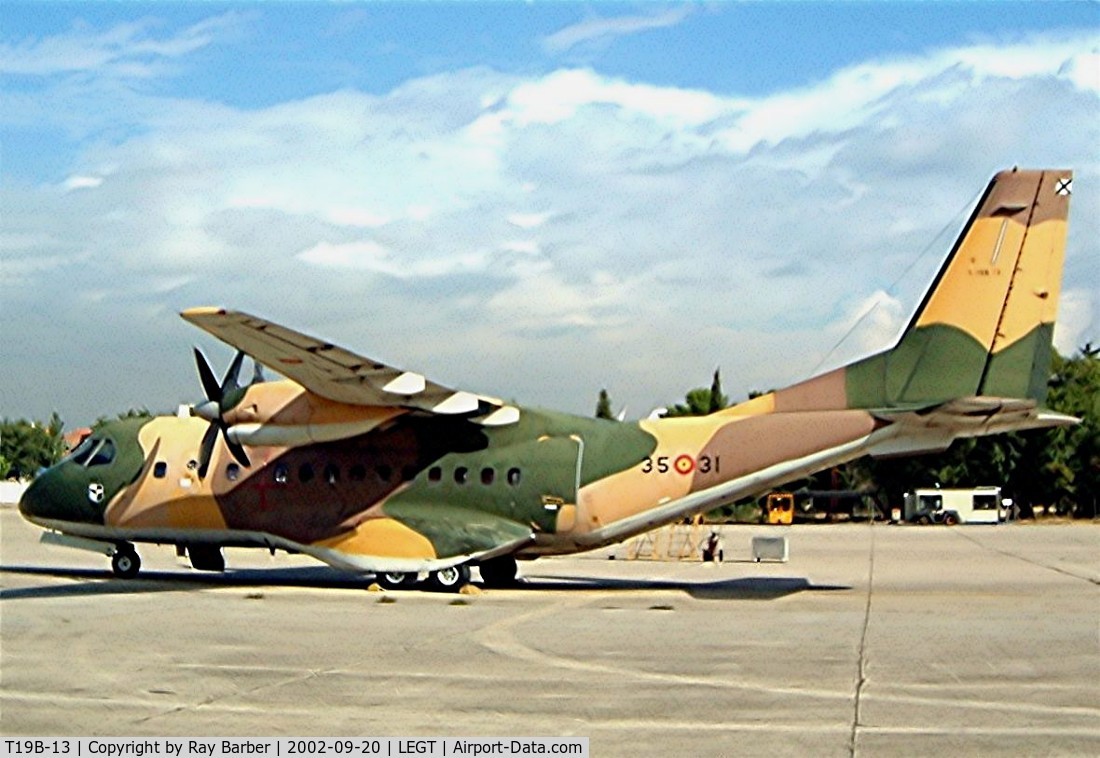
[125, 562]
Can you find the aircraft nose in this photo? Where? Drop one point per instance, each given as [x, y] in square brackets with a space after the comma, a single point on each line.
[79, 488]
[56, 495]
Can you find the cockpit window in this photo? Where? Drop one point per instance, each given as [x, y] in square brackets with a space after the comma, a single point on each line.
[93, 452]
[83, 451]
[103, 454]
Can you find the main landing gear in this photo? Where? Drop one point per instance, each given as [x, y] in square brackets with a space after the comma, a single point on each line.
[499, 572]
[125, 562]
[495, 572]
[396, 580]
[450, 579]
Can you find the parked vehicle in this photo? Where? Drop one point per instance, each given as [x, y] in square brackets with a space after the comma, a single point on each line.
[980, 505]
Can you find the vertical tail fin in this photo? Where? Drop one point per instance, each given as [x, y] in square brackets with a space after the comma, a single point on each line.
[985, 325]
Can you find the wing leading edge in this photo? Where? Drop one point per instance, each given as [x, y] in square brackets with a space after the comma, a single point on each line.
[340, 375]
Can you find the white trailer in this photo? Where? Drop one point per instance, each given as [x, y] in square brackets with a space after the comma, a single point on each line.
[980, 505]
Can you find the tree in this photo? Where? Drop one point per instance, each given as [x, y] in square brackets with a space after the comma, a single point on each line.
[28, 446]
[702, 401]
[1070, 456]
[130, 413]
[603, 406]
[718, 401]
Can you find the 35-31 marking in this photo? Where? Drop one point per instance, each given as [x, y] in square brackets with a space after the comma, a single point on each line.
[682, 464]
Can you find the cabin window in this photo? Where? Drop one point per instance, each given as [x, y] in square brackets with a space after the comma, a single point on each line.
[487, 476]
[160, 469]
[384, 472]
[332, 473]
[305, 472]
[514, 477]
[357, 472]
[462, 475]
[435, 474]
[233, 472]
[282, 472]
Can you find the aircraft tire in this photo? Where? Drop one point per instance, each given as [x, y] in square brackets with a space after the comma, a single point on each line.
[499, 572]
[206, 557]
[395, 580]
[125, 563]
[449, 579]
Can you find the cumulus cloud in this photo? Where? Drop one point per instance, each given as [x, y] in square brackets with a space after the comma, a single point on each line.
[538, 237]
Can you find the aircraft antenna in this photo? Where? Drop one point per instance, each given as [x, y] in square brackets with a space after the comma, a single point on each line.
[892, 289]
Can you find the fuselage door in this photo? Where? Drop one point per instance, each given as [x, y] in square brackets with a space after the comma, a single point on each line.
[546, 481]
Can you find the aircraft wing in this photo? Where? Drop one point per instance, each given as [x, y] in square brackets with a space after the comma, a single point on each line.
[340, 375]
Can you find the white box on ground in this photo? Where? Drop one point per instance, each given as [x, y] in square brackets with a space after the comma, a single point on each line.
[770, 549]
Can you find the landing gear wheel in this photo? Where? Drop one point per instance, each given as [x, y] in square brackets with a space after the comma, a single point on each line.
[499, 572]
[125, 562]
[395, 580]
[449, 579]
[206, 557]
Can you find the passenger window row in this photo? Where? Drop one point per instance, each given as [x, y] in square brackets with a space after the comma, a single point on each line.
[332, 474]
[357, 472]
[462, 475]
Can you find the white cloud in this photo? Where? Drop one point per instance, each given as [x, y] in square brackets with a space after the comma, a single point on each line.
[540, 237]
[76, 182]
[605, 30]
[129, 50]
[526, 247]
[528, 220]
[372, 257]
[559, 95]
[1077, 322]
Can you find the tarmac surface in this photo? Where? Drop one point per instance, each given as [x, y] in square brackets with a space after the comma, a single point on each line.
[871, 640]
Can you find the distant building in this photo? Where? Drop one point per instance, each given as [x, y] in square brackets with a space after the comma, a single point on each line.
[75, 437]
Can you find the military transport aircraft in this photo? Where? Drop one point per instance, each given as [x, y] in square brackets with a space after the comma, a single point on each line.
[377, 470]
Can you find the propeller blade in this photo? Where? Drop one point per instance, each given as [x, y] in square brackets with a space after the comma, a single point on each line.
[230, 381]
[213, 408]
[238, 452]
[209, 382]
[206, 449]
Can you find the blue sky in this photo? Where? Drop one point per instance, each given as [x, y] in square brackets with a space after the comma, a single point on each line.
[527, 200]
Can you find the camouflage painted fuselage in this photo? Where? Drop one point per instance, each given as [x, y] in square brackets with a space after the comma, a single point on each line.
[419, 492]
[371, 469]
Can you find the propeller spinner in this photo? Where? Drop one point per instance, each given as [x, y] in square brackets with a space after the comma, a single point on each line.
[219, 399]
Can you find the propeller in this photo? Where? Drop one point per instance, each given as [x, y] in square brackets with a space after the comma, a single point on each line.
[219, 399]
